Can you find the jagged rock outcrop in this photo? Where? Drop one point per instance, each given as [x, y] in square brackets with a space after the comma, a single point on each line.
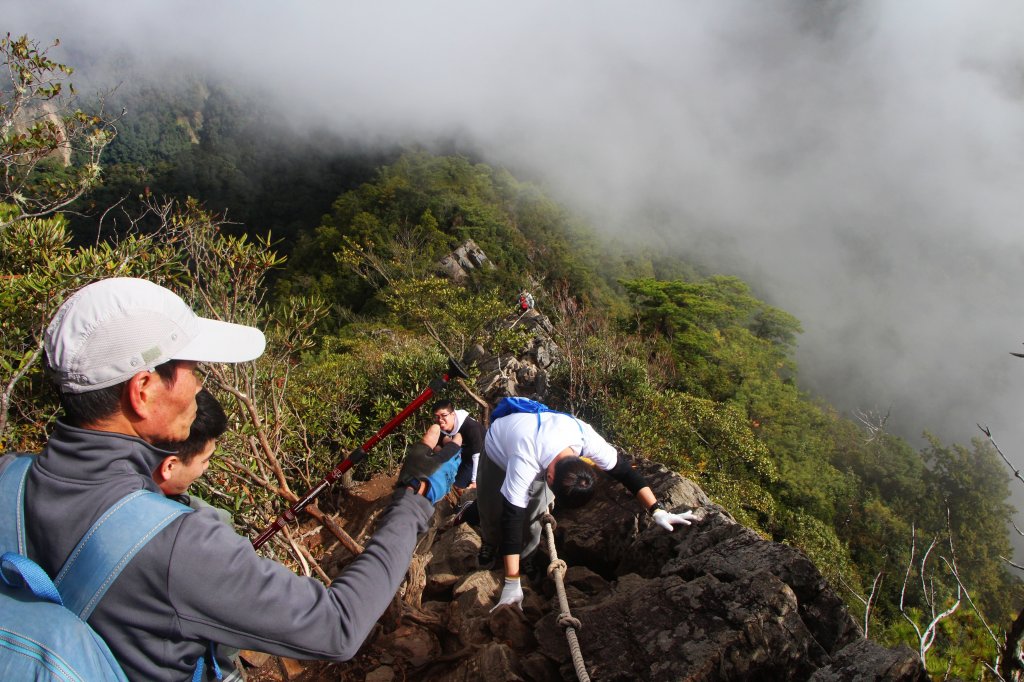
[527, 373]
[712, 601]
[46, 111]
[467, 257]
[866, 660]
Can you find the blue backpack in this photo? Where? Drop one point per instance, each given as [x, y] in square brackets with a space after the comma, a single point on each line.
[515, 403]
[43, 633]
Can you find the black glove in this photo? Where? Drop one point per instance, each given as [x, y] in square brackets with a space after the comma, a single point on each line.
[421, 461]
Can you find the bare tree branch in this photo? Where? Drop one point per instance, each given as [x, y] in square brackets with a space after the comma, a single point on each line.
[873, 422]
[931, 597]
[1016, 472]
[869, 602]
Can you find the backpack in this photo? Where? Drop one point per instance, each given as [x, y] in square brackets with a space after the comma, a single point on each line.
[43, 633]
[515, 403]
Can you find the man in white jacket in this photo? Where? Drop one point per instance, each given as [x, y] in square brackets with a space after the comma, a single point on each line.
[531, 460]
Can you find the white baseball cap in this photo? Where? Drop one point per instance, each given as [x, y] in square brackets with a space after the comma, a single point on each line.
[114, 328]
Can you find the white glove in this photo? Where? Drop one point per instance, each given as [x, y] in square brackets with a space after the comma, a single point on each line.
[512, 593]
[668, 520]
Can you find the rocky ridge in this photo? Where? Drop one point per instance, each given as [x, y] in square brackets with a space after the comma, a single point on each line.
[709, 602]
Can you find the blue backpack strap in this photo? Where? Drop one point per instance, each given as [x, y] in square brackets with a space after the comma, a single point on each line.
[109, 545]
[36, 580]
[211, 653]
[12, 507]
[103, 552]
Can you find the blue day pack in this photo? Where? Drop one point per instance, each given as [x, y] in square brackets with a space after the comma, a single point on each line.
[515, 403]
[512, 404]
[43, 633]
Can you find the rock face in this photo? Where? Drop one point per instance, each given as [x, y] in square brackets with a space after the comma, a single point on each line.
[467, 257]
[46, 111]
[525, 374]
[709, 602]
[713, 601]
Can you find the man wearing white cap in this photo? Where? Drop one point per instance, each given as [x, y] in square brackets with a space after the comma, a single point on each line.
[124, 352]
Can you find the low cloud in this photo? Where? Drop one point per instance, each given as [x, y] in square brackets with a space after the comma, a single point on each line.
[860, 163]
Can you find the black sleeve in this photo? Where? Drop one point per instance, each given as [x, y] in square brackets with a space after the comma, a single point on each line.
[472, 436]
[512, 518]
[624, 473]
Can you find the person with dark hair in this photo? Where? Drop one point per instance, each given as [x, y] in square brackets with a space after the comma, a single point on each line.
[190, 461]
[534, 459]
[574, 482]
[451, 424]
[192, 456]
[124, 353]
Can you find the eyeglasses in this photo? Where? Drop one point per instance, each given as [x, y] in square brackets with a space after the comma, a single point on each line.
[442, 415]
[199, 371]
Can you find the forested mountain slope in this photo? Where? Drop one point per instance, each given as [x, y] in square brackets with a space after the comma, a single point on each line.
[680, 367]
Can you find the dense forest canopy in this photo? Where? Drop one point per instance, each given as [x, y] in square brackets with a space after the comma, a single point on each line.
[335, 254]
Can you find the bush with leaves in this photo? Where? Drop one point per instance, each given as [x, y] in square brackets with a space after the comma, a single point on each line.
[38, 270]
[818, 540]
[49, 149]
[706, 441]
[722, 336]
[454, 317]
[356, 383]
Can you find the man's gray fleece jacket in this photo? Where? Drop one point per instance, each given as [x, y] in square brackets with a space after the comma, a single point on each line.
[198, 581]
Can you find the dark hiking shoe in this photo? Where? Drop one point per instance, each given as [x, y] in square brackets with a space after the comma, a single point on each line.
[485, 557]
[534, 568]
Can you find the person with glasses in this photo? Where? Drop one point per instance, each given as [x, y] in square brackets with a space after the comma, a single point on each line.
[451, 425]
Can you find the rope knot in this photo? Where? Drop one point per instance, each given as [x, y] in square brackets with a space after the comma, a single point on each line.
[567, 620]
[557, 564]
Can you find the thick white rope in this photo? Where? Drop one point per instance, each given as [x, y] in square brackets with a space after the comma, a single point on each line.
[556, 569]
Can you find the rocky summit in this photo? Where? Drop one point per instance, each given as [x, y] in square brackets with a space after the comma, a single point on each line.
[713, 601]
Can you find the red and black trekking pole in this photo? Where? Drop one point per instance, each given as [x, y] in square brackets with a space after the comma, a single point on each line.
[359, 454]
